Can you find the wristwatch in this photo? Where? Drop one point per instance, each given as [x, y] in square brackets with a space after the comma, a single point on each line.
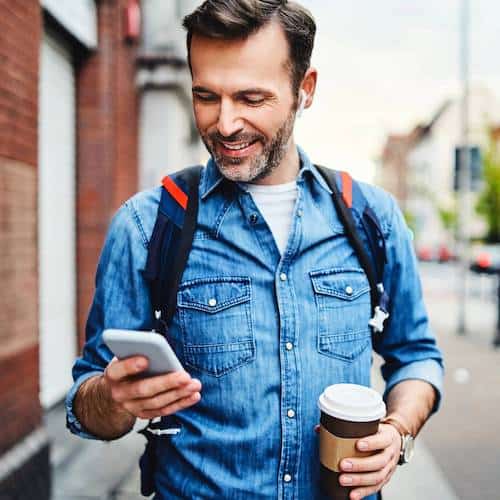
[407, 440]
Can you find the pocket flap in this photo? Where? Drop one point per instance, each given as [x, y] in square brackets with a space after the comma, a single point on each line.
[345, 284]
[214, 294]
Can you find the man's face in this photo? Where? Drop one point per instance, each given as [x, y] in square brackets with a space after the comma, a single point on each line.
[243, 102]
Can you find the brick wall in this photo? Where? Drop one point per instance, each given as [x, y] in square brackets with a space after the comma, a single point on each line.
[21, 412]
[107, 142]
[20, 28]
[19, 35]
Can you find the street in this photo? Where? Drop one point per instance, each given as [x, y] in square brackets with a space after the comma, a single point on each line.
[457, 452]
[461, 437]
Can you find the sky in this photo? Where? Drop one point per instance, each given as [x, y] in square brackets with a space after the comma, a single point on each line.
[385, 66]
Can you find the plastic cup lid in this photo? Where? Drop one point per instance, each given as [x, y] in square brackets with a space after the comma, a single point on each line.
[351, 402]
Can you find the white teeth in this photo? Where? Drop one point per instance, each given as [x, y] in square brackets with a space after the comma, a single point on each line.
[236, 148]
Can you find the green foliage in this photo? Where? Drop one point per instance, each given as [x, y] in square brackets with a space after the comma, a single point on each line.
[449, 218]
[411, 221]
[488, 204]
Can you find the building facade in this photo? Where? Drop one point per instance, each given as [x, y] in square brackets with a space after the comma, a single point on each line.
[68, 159]
[164, 81]
[419, 168]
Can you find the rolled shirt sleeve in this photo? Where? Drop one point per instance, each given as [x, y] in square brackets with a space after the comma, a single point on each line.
[121, 300]
[407, 343]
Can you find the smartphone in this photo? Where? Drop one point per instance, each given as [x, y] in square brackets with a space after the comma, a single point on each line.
[126, 343]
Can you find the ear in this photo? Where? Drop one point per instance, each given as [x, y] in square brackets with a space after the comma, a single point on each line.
[309, 86]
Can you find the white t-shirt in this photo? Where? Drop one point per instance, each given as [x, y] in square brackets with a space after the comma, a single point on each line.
[276, 204]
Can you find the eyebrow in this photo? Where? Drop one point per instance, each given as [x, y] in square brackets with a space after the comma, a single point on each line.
[253, 90]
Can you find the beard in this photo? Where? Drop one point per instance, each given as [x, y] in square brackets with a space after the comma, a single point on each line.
[260, 165]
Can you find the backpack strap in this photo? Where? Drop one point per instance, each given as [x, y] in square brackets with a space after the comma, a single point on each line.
[351, 205]
[171, 242]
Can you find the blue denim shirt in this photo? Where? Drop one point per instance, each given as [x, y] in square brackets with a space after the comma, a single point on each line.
[265, 333]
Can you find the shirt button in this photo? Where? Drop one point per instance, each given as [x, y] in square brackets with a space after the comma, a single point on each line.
[212, 302]
[299, 213]
[349, 290]
[291, 413]
[289, 346]
[253, 219]
[283, 277]
[287, 478]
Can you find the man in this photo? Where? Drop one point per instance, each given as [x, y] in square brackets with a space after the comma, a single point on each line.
[290, 301]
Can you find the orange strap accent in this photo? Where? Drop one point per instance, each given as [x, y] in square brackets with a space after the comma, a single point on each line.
[175, 191]
[347, 188]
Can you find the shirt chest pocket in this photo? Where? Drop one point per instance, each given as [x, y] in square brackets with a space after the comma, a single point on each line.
[343, 310]
[216, 322]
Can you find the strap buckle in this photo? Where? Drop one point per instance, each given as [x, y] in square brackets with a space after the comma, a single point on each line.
[160, 324]
[149, 430]
[377, 322]
[160, 432]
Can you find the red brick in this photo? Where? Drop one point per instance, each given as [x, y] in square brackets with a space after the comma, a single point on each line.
[19, 404]
[107, 140]
[20, 25]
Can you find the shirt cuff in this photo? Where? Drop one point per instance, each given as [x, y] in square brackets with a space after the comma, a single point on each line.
[72, 423]
[428, 370]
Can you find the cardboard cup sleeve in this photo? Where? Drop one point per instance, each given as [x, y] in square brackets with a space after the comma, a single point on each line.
[333, 449]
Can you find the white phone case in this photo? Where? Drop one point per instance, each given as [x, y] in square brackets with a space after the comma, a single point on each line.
[126, 343]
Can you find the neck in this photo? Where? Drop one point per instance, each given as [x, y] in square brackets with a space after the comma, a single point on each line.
[287, 170]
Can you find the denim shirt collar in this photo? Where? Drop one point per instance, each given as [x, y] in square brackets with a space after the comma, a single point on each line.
[212, 178]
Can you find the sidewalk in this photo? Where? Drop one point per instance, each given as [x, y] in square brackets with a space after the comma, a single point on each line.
[423, 478]
[93, 470]
[461, 437]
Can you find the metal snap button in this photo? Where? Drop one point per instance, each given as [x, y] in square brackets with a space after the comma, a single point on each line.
[349, 290]
[212, 302]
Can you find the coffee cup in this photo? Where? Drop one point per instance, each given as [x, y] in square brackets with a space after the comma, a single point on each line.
[348, 412]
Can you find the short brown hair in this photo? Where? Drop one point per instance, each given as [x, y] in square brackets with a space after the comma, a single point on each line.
[234, 19]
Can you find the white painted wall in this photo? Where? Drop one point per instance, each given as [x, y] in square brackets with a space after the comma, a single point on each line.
[79, 17]
[56, 220]
[164, 143]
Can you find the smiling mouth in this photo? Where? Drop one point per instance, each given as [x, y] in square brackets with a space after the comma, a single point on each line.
[237, 150]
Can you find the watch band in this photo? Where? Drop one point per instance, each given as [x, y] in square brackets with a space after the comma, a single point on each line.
[395, 422]
[403, 432]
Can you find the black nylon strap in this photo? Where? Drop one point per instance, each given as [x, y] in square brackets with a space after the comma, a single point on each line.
[349, 224]
[191, 176]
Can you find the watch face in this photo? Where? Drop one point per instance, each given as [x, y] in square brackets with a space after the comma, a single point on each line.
[409, 448]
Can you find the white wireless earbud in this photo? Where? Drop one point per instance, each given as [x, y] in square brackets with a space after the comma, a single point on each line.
[302, 102]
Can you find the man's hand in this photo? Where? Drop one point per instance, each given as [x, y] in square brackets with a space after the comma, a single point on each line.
[372, 473]
[149, 397]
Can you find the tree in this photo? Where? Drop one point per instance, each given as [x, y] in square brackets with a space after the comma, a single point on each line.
[488, 204]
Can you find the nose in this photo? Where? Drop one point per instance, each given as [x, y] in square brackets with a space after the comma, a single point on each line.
[229, 122]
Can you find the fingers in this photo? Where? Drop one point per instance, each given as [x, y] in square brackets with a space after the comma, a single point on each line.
[368, 479]
[154, 396]
[379, 479]
[152, 386]
[163, 399]
[371, 473]
[172, 408]
[143, 388]
[118, 370]
[379, 441]
[368, 464]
